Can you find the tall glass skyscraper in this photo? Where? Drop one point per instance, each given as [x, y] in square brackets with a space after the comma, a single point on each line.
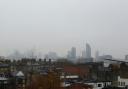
[88, 51]
[73, 52]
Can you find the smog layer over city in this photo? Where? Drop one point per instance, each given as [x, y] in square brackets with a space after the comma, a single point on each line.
[63, 44]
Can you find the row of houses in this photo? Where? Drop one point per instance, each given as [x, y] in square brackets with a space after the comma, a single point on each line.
[97, 75]
[94, 74]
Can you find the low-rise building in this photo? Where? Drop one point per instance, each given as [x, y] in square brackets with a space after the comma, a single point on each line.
[120, 82]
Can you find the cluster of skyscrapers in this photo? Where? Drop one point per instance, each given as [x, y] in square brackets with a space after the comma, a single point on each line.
[85, 53]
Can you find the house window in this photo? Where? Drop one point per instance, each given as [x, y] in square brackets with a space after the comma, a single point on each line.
[105, 84]
[123, 83]
[1, 75]
[119, 83]
[99, 85]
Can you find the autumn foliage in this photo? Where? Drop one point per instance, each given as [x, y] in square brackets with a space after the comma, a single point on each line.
[49, 81]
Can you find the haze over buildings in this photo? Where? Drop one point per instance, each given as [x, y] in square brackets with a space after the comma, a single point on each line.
[57, 25]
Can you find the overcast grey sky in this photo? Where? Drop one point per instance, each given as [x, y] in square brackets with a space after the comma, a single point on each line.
[57, 25]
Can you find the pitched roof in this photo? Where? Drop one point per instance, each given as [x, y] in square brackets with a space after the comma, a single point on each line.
[20, 74]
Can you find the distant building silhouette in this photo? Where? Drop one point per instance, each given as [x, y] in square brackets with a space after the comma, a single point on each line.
[126, 57]
[104, 57]
[83, 54]
[97, 55]
[52, 55]
[69, 54]
[88, 51]
[72, 53]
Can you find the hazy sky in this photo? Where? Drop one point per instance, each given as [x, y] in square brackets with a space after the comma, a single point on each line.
[57, 25]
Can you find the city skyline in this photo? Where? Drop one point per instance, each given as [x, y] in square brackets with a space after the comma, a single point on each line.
[63, 44]
[71, 54]
[59, 25]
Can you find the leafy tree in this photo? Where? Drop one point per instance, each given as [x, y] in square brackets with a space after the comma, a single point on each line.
[49, 81]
